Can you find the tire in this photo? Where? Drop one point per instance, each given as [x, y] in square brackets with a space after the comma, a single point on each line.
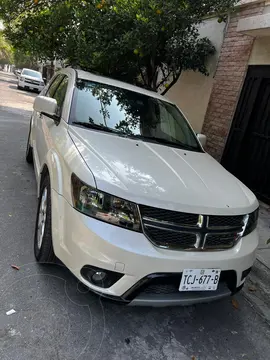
[43, 246]
[29, 149]
[19, 87]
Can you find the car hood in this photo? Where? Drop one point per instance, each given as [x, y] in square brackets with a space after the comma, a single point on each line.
[161, 176]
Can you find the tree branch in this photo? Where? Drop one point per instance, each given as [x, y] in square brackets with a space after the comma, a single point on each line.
[165, 78]
[175, 79]
[141, 72]
[142, 75]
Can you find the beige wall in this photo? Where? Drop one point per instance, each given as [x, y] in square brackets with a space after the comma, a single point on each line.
[260, 54]
[192, 92]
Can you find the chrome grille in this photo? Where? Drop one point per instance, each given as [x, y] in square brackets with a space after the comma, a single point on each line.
[171, 239]
[182, 231]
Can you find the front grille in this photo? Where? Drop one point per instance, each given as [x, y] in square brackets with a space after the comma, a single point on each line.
[171, 239]
[182, 231]
[32, 82]
[162, 289]
[220, 241]
[169, 216]
[225, 221]
[167, 284]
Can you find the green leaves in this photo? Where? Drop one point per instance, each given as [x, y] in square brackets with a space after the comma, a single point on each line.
[22, 59]
[145, 42]
[6, 51]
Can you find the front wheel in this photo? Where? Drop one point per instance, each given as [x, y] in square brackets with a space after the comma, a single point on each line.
[43, 246]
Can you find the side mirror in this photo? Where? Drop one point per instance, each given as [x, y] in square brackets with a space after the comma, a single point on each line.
[46, 106]
[202, 139]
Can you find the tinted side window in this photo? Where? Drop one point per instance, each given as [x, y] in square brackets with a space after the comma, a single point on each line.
[60, 95]
[53, 86]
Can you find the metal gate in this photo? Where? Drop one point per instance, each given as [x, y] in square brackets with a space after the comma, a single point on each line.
[247, 152]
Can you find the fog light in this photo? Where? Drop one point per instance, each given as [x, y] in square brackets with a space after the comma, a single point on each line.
[98, 276]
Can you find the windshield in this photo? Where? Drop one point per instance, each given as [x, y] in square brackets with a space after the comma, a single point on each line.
[31, 73]
[131, 114]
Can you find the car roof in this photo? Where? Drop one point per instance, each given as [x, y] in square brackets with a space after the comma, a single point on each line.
[85, 75]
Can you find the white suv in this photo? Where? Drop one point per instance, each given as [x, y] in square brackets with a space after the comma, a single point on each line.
[128, 199]
[30, 80]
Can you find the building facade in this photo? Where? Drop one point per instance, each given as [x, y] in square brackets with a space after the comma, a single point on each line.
[232, 106]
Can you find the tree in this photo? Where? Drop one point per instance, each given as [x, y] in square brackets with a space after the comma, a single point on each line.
[144, 42]
[37, 28]
[24, 60]
[6, 51]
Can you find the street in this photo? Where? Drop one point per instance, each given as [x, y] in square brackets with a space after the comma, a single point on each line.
[56, 318]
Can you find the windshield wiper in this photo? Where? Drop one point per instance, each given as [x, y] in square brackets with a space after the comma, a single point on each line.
[166, 142]
[95, 126]
[134, 136]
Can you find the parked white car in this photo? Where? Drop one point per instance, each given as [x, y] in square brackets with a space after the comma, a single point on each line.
[128, 199]
[30, 80]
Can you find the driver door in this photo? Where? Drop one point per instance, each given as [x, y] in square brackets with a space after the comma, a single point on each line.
[44, 125]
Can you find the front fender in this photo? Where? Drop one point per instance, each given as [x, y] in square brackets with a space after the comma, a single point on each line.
[60, 170]
[53, 165]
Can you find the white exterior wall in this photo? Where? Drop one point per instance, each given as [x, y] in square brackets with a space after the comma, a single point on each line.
[192, 91]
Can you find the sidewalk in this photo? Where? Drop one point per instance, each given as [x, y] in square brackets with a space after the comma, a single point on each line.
[263, 253]
[257, 287]
[5, 73]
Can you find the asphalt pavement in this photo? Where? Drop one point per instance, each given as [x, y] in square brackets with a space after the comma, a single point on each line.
[57, 319]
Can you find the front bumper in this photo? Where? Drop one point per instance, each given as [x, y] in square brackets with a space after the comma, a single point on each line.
[80, 240]
[30, 86]
[158, 290]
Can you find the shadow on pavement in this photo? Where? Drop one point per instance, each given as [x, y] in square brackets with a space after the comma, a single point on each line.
[8, 80]
[7, 113]
[24, 92]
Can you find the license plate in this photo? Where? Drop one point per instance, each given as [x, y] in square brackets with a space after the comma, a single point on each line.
[200, 280]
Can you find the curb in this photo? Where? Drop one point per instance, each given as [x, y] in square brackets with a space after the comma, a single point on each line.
[257, 289]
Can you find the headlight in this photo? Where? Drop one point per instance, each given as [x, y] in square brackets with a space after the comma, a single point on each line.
[103, 206]
[252, 222]
[41, 83]
[22, 79]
